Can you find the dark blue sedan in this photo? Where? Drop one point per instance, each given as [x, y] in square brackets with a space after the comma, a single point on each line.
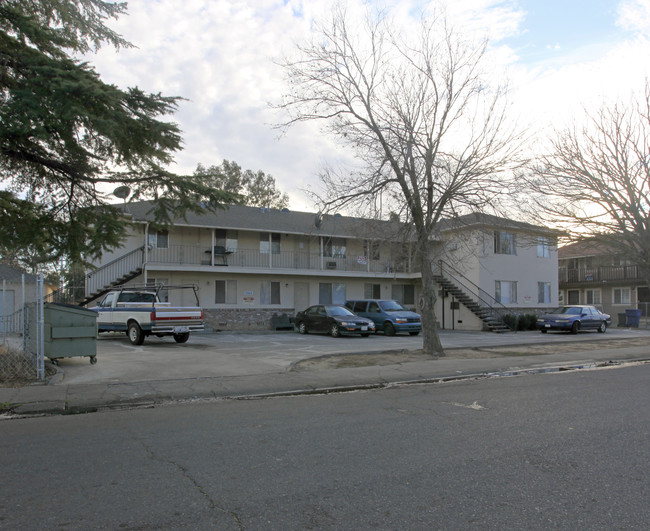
[334, 319]
[574, 318]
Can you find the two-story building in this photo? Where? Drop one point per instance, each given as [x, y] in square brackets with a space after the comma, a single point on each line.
[252, 264]
[592, 273]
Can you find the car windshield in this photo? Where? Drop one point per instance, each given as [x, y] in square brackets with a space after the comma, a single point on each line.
[391, 306]
[570, 310]
[338, 311]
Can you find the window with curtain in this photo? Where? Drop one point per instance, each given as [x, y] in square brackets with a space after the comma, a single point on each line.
[225, 291]
[504, 242]
[505, 292]
[269, 292]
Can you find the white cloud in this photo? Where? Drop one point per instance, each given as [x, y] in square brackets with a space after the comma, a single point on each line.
[219, 55]
[634, 15]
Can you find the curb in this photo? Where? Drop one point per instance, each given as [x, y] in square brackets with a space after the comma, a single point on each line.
[61, 407]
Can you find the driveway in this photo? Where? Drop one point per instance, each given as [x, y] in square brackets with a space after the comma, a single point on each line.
[239, 353]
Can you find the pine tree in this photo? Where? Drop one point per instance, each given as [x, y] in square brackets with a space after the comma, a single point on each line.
[67, 138]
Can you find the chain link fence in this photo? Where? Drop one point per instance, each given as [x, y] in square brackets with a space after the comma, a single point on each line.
[21, 328]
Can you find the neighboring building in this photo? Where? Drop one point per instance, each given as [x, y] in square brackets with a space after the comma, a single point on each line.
[16, 289]
[13, 283]
[253, 264]
[590, 273]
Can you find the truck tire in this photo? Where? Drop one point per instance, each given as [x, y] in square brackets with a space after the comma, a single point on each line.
[135, 333]
[181, 338]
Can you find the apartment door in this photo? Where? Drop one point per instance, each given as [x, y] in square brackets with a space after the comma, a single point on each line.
[573, 296]
[300, 296]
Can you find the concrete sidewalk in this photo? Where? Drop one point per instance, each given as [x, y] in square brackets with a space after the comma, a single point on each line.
[468, 356]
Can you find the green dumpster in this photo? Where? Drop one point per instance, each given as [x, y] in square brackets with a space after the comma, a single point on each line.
[69, 331]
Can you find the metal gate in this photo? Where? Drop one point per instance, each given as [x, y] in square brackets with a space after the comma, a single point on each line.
[22, 325]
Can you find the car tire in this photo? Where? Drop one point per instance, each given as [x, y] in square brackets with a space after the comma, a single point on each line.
[389, 329]
[365, 335]
[334, 331]
[302, 328]
[413, 333]
[181, 338]
[135, 333]
[575, 327]
[603, 327]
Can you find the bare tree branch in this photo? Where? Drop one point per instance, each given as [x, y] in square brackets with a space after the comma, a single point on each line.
[596, 179]
[430, 133]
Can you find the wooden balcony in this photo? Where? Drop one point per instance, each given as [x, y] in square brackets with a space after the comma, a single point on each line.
[600, 274]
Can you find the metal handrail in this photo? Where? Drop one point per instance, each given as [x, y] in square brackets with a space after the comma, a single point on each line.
[109, 272]
[498, 309]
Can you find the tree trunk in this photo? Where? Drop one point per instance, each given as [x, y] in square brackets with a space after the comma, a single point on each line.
[428, 296]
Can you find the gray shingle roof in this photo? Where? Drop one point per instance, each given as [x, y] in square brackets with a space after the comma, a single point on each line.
[263, 219]
[258, 219]
[13, 274]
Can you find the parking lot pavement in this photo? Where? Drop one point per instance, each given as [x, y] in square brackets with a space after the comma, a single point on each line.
[226, 354]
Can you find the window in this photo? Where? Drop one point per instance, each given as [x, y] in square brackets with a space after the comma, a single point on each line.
[505, 292]
[335, 248]
[269, 243]
[371, 250]
[504, 242]
[403, 293]
[371, 291]
[543, 292]
[108, 300]
[225, 291]
[359, 306]
[270, 292]
[621, 295]
[226, 239]
[159, 239]
[619, 261]
[543, 247]
[592, 296]
[331, 293]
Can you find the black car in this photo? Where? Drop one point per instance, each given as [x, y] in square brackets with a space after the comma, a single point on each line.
[332, 319]
[574, 318]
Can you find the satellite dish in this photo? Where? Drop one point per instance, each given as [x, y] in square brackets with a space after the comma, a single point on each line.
[122, 192]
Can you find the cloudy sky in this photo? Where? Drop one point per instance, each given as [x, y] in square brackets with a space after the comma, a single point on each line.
[560, 56]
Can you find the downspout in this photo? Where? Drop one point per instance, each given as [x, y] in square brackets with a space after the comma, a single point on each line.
[214, 241]
[146, 252]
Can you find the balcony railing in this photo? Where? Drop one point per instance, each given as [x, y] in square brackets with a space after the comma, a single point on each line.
[253, 258]
[599, 274]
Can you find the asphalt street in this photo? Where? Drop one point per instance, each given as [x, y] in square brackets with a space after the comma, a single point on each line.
[563, 451]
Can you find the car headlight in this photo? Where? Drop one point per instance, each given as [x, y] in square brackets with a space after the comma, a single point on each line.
[401, 321]
[344, 323]
[564, 320]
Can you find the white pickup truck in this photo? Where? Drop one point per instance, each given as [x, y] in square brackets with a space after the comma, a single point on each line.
[139, 312]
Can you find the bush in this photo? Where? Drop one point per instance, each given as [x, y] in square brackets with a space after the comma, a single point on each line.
[522, 322]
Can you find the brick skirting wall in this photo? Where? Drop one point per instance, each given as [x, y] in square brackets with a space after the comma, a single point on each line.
[248, 319]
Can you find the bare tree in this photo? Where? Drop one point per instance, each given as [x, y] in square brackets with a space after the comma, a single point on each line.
[595, 179]
[417, 110]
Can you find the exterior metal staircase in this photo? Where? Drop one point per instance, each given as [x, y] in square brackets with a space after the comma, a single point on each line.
[485, 307]
[99, 281]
